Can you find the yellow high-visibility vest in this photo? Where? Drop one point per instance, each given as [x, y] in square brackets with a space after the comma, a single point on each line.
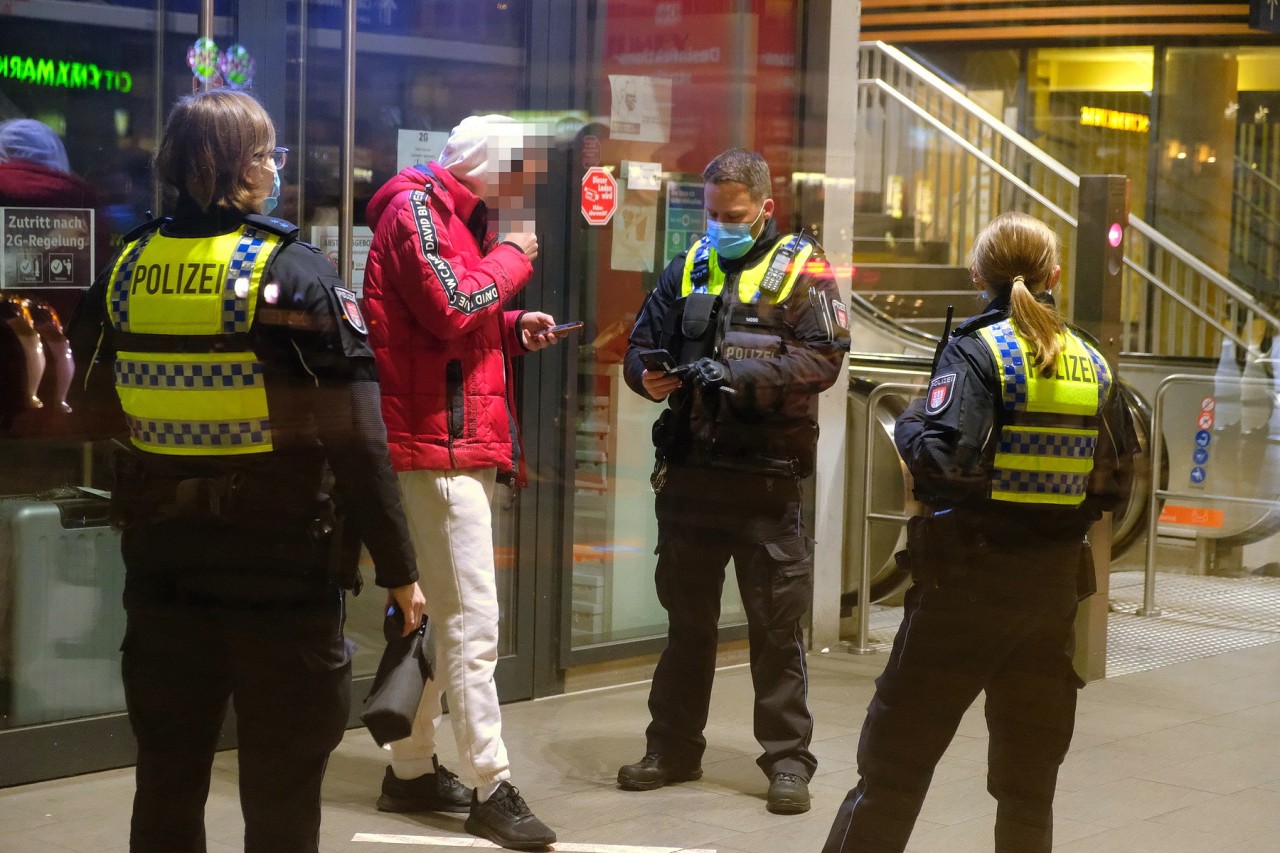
[1045, 453]
[182, 403]
[774, 275]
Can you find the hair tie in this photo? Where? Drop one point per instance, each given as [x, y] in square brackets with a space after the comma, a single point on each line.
[1019, 280]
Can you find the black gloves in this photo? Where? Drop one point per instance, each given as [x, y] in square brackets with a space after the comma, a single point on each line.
[710, 373]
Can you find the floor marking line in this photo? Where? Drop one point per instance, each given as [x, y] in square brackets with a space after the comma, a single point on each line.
[480, 844]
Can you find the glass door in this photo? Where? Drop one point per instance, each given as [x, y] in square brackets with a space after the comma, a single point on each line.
[421, 68]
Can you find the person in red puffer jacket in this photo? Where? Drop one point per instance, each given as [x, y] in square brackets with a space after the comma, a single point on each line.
[437, 281]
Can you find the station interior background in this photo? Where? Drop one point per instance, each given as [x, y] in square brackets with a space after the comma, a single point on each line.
[893, 130]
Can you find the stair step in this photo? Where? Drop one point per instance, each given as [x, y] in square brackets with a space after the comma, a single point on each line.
[881, 250]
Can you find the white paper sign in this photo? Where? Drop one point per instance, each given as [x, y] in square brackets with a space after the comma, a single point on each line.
[634, 231]
[641, 175]
[325, 237]
[641, 108]
[419, 146]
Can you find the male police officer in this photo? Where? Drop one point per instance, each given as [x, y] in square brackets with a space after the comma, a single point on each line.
[751, 322]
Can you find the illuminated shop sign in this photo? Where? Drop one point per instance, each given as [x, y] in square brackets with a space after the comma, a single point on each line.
[1113, 120]
[64, 74]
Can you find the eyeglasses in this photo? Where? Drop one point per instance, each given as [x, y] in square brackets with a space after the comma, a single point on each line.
[278, 156]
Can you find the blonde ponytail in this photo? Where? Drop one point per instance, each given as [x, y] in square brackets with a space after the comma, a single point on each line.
[1012, 250]
[1038, 323]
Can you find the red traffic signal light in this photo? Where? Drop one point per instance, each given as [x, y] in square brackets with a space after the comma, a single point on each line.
[1115, 234]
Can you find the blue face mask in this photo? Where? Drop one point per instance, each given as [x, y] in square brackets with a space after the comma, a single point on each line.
[269, 203]
[732, 240]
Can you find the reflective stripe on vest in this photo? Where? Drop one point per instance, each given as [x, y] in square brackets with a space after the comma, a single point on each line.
[195, 404]
[1045, 459]
[792, 253]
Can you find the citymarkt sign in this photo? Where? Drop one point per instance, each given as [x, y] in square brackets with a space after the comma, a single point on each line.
[63, 74]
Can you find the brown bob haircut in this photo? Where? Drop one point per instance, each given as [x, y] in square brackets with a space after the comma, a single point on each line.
[210, 140]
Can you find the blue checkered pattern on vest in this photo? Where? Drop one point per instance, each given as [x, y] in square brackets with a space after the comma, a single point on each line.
[186, 376]
[119, 307]
[1102, 371]
[235, 308]
[1028, 442]
[1038, 482]
[200, 433]
[1013, 366]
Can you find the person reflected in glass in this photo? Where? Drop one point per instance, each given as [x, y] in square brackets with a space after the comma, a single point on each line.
[1019, 445]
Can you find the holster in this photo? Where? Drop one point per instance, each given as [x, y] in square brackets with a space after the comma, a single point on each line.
[690, 327]
[938, 548]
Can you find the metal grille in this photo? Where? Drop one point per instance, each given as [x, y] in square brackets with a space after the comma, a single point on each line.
[1201, 617]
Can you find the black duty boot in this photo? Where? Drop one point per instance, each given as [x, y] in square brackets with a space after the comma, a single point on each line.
[788, 794]
[431, 792]
[654, 770]
[505, 820]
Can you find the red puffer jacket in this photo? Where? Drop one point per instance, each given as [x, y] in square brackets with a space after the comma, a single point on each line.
[434, 287]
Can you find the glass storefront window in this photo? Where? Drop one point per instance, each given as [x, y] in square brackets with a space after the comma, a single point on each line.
[678, 83]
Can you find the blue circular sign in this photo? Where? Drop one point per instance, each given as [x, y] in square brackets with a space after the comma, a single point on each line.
[1202, 438]
[1200, 456]
[1197, 475]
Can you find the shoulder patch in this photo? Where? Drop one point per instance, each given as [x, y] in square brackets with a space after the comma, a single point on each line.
[941, 390]
[841, 312]
[351, 310]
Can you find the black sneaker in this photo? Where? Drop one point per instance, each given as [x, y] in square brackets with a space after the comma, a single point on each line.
[788, 794]
[654, 770]
[505, 820]
[431, 792]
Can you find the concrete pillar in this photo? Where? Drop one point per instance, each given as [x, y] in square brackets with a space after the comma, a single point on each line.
[829, 139]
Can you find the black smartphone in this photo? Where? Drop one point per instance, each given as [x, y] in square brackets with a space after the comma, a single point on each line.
[657, 359]
[566, 327]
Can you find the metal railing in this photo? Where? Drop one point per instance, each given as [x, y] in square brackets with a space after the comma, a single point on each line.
[1158, 494]
[864, 562]
[966, 167]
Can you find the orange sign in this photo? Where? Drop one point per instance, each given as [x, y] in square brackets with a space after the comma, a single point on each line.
[1193, 516]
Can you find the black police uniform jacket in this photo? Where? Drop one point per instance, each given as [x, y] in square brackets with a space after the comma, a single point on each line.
[768, 424]
[950, 454]
[329, 465]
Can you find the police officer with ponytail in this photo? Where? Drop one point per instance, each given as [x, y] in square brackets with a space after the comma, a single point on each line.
[256, 464]
[738, 337]
[1019, 445]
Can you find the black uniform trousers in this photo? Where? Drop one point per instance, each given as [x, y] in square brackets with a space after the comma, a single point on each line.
[1003, 625]
[704, 518]
[287, 668]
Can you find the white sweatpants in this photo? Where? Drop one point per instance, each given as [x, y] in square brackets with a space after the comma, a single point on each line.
[451, 523]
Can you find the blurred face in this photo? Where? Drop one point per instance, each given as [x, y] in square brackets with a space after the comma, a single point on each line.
[516, 188]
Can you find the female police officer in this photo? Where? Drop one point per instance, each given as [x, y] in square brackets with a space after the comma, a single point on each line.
[1020, 443]
[258, 462]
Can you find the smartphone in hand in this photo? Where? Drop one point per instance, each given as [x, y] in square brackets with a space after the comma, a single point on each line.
[565, 327]
[658, 360]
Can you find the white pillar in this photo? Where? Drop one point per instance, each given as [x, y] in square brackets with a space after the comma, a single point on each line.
[837, 239]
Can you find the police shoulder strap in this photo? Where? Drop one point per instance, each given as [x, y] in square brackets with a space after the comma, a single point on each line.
[144, 229]
[280, 227]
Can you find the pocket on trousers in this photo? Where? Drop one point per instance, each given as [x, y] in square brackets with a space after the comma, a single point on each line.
[790, 579]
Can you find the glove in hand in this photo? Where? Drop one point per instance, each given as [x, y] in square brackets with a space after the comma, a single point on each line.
[711, 373]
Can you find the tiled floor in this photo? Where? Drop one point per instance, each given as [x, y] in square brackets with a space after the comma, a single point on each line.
[1180, 759]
